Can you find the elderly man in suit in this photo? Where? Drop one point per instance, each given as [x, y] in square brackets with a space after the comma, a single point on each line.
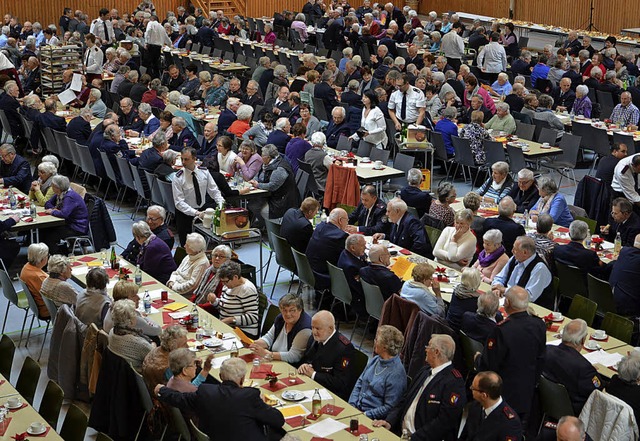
[227, 410]
[413, 195]
[432, 407]
[326, 245]
[378, 272]
[182, 137]
[326, 92]
[406, 231]
[79, 128]
[505, 223]
[369, 214]
[15, 171]
[351, 260]
[296, 227]
[478, 325]
[563, 96]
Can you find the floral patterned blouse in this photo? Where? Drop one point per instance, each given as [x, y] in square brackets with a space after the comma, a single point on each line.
[476, 134]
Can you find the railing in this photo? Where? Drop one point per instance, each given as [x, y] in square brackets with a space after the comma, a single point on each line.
[240, 6]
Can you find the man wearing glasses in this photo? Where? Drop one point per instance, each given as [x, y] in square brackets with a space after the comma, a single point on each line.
[524, 192]
[14, 169]
[155, 219]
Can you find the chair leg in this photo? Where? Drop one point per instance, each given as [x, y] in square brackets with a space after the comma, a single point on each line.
[44, 338]
[6, 314]
[364, 333]
[30, 328]
[353, 331]
[24, 322]
[275, 282]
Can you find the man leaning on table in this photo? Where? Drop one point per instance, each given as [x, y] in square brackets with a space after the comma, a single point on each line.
[432, 408]
[190, 189]
[624, 179]
[406, 231]
[329, 356]
[370, 214]
[14, 169]
[228, 411]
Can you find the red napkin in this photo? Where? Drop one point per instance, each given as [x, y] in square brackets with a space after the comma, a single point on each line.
[159, 303]
[111, 272]
[317, 438]
[405, 252]
[248, 357]
[444, 279]
[2, 382]
[87, 259]
[313, 417]
[599, 340]
[5, 426]
[562, 230]
[153, 282]
[279, 385]
[294, 381]
[43, 433]
[76, 264]
[561, 240]
[553, 328]
[167, 320]
[42, 213]
[362, 430]
[296, 421]
[335, 411]
[17, 409]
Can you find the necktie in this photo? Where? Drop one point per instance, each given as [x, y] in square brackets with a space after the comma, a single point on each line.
[106, 32]
[196, 188]
[366, 222]
[86, 62]
[403, 107]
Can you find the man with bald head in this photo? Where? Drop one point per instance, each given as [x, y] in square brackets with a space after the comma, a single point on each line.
[326, 244]
[563, 96]
[378, 272]
[565, 364]
[351, 260]
[570, 428]
[515, 350]
[329, 355]
[208, 148]
[432, 407]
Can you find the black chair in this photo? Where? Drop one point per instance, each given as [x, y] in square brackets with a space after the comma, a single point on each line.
[440, 153]
[622, 138]
[525, 131]
[494, 152]
[464, 157]
[566, 163]
[516, 158]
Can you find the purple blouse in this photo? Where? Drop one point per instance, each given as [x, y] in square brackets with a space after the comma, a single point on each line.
[250, 167]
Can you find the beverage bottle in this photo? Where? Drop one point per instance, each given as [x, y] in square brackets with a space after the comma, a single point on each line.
[113, 259]
[195, 319]
[34, 213]
[323, 217]
[526, 218]
[138, 276]
[617, 245]
[199, 333]
[316, 219]
[234, 350]
[316, 403]
[146, 300]
[13, 201]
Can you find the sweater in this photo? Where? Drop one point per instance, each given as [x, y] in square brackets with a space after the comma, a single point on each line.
[420, 295]
[241, 303]
[449, 253]
[156, 260]
[73, 210]
[33, 277]
[91, 306]
[132, 348]
[188, 275]
[59, 291]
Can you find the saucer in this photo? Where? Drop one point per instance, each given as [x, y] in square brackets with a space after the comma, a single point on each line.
[592, 346]
[17, 406]
[593, 336]
[39, 432]
[559, 319]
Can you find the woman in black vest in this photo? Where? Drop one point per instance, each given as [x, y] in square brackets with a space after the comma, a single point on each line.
[287, 338]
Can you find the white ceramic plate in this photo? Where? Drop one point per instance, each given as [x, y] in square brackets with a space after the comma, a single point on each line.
[39, 432]
[212, 342]
[292, 395]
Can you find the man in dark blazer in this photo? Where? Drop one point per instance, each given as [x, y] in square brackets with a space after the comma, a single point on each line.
[351, 260]
[478, 325]
[227, 411]
[129, 118]
[515, 350]
[337, 126]
[370, 214]
[574, 253]
[490, 418]
[253, 97]
[413, 196]
[10, 104]
[208, 143]
[332, 37]
[563, 96]
[353, 73]
[326, 92]
[278, 106]
[413, 57]
[329, 356]
[525, 191]
[182, 136]
[15, 171]
[48, 118]
[172, 78]
[378, 273]
[228, 115]
[326, 245]
[504, 222]
[79, 128]
[406, 231]
[565, 364]
[434, 414]
[624, 221]
[205, 34]
[296, 227]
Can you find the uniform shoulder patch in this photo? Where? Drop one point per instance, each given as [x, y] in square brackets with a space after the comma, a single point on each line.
[596, 382]
[625, 169]
[491, 343]
[343, 339]
[454, 398]
[345, 362]
[456, 373]
[180, 172]
[509, 413]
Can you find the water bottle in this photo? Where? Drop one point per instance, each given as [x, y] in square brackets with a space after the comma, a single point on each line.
[316, 219]
[323, 217]
[199, 333]
[256, 365]
[147, 302]
[195, 320]
[138, 276]
[617, 245]
[13, 201]
[526, 218]
[34, 213]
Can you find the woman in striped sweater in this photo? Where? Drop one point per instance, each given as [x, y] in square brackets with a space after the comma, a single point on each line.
[239, 302]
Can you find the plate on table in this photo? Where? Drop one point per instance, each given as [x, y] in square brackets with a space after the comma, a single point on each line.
[603, 338]
[212, 342]
[292, 395]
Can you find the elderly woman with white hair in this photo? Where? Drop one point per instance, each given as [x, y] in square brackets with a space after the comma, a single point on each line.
[128, 290]
[456, 245]
[214, 92]
[55, 287]
[209, 287]
[113, 62]
[493, 256]
[95, 103]
[421, 40]
[318, 158]
[465, 297]
[183, 112]
[553, 202]
[155, 256]
[124, 339]
[498, 185]
[242, 122]
[625, 385]
[41, 190]
[187, 277]
[68, 205]
[582, 105]
[33, 275]
[248, 161]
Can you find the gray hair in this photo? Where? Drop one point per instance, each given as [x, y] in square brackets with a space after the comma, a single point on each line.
[516, 301]
[488, 304]
[291, 299]
[111, 132]
[352, 240]
[449, 112]
[232, 102]
[178, 120]
[444, 190]
[62, 182]
[159, 139]
[478, 97]
[184, 100]
[264, 61]
[48, 168]
[37, 252]
[397, 204]
[443, 343]
[58, 263]
[494, 236]
[465, 215]
[144, 108]
[196, 242]
[169, 156]
[548, 185]
[338, 109]
[95, 93]
[170, 335]
[414, 176]
[507, 206]
[279, 71]
[223, 249]
[390, 338]
[375, 253]
[501, 105]
[174, 97]
[574, 332]
[123, 313]
[470, 278]
[526, 244]
[578, 230]
[583, 53]
[611, 74]
[318, 139]
[244, 112]
[281, 123]
[438, 76]
[159, 209]
[204, 76]
[86, 112]
[629, 367]
[574, 421]
[141, 230]
[233, 369]
[525, 173]
[270, 150]
[179, 359]
[584, 90]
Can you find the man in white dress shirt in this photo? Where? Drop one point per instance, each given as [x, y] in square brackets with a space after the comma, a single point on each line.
[190, 188]
[407, 104]
[102, 28]
[155, 37]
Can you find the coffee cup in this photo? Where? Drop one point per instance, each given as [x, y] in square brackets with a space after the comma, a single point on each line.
[13, 402]
[366, 159]
[514, 138]
[557, 315]
[599, 333]
[36, 427]
[384, 243]
[377, 164]
[545, 144]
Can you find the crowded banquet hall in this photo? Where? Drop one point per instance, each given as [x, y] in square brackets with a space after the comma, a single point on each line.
[319, 220]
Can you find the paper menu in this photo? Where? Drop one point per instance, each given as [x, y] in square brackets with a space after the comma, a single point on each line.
[66, 97]
[402, 268]
[603, 358]
[326, 427]
[76, 83]
[294, 410]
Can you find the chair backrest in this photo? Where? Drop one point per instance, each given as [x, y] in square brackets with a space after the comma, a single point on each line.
[433, 234]
[28, 379]
[621, 138]
[179, 424]
[469, 349]
[156, 195]
[284, 254]
[103, 437]
[618, 327]
[548, 135]
[570, 145]
[373, 299]
[272, 227]
[125, 173]
[108, 167]
[135, 174]
[8, 289]
[494, 152]
[364, 148]
[7, 351]
[166, 190]
[598, 141]
[359, 360]
[572, 280]
[577, 211]
[554, 399]
[605, 98]
[319, 109]
[344, 143]
[305, 272]
[525, 131]
[85, 159]
[302, 180]
[464, 155]
[582, 307]
[33, 306]
[74, 425]
[339, 284]
[51, 403]
[51, 307]
[600, 292]
[269, 318]
[312, 184]
[179, 255]
[380, 155]
[592, 223]
[197, 433]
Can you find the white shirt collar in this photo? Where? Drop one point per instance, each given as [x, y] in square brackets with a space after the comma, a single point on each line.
[488, 410]
[329, 338]
[437, 370]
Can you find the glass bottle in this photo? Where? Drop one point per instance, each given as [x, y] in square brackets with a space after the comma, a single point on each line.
[316, 404]
[138, 276]
[147, 302]
[234, 350]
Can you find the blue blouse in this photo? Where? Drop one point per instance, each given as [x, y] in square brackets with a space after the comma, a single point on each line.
[558, 210]
[380, 387]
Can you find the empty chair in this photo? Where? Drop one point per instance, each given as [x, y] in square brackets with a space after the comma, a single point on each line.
[51, 403]
[548, 135]
[463, 156]
[284, 258]
[525, 131]
[380, 155]
[373, 301]
[494, 152]
[15, 298]
[28, 379]
[364, 149]
[582, 307]
[516, 158]
[401, 162]
[7, 351]
[74, 425]
[565, 163]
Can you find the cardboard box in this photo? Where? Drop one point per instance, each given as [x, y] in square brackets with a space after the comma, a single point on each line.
[417, 135]
[236, 221]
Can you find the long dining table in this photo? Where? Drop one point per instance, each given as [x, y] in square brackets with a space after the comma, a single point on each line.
[336, 414]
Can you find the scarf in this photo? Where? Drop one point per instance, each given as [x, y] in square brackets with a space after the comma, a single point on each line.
[487, 259]
[44, 185]
[546, 206]
[60, 200]
[462, 292]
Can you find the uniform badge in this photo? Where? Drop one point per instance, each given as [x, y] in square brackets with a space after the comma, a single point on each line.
[508, 413]
[454, 398]
[345, 362]
[491, 343]
[596, 382]
[432, 396]
[511, 438]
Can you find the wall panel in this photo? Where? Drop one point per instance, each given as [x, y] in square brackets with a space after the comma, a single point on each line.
[491, 8]
[259, 8]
